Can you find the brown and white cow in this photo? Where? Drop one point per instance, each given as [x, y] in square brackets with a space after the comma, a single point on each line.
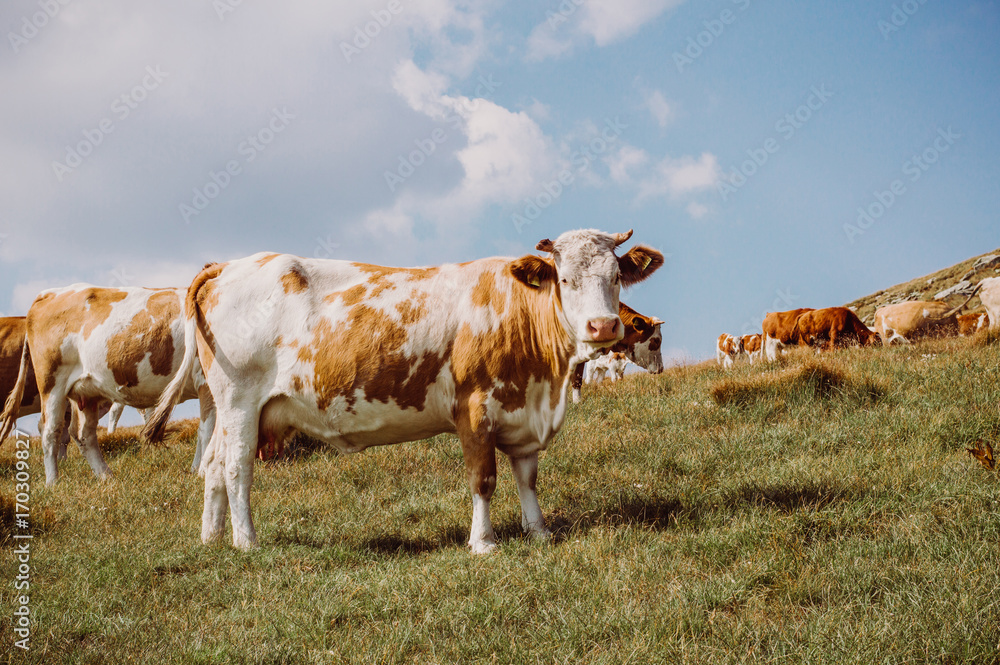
[970, 324]
[914, 319]
[361, 355]
[727, 349]
[832, 327]
[779, 331]
[93, 346]
[752, 347]
[641, 345]
[990, 296]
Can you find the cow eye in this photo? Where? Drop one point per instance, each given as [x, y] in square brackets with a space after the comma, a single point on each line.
[564, 281]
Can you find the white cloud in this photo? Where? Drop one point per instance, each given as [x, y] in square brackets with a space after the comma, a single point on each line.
[697, 210]
[678, 177]
[625, 159]
[659, 107]
[603, 21]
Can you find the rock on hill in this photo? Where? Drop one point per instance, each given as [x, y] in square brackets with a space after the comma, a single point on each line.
[951, 285]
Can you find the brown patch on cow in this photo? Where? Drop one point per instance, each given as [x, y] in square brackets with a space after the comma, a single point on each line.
[529, 343]
[485, 294]
[294, 281]
[267, 258]
[147, 333]
[297, 384]
[350, 297]
[365, 353]
[411, 311]
[378, 276]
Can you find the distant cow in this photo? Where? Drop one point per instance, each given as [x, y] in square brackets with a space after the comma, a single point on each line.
[611, 364]
[752, 347]
[970, 324]
[990, 297]
[728, 349]
[641, 345]
[914, 319]
[779, 331]
[361, 355]
[832, 327]
[95, 346]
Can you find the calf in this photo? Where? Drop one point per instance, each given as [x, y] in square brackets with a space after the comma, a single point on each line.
[915, 319]
[93, 346]
[611, 364]
[728, 349]
[752, 347]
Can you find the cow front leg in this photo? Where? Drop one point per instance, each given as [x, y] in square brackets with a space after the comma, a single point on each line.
[481, 467]
[526, 473]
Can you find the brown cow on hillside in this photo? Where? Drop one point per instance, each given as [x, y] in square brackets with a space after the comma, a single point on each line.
[779, 331]
[832, 327]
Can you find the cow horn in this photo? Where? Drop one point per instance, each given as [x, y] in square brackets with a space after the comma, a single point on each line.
[545, 246]
[621, 237]
[657, 321]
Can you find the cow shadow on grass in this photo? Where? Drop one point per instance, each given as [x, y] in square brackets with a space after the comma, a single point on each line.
[657, 513]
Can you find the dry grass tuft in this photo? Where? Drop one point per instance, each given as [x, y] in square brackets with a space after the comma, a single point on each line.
[986, 337]
[812, 378]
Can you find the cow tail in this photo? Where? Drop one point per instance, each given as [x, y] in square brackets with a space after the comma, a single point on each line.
[958, 309]
[156, 424]
[13, 404]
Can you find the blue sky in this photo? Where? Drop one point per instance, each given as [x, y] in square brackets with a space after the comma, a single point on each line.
[213, 130]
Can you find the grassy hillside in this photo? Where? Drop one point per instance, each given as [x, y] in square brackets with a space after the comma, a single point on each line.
[823, 510]
[924, 288]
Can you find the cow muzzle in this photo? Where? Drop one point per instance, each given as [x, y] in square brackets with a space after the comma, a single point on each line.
[608, 329]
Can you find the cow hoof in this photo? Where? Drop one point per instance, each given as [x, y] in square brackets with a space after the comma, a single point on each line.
[483, 547]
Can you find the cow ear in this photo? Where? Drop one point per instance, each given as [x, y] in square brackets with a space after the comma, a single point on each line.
[639, 263]
[532, 271]
[545, 246]
[640, 325]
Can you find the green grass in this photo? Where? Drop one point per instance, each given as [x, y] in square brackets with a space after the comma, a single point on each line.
[826, 514]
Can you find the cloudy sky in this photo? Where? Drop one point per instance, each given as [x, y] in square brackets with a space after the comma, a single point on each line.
[781, 154]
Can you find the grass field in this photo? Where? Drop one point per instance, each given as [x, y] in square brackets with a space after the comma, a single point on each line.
[822, 510]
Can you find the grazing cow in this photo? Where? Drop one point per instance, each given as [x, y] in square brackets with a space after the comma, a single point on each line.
[779, 331]
[911, 320]
[727, 349]
[611, 364]
[641, 345]
[832, 327]
[93, 346]
[360, 355]
[990, 297]
[970, 324]
[752, 347]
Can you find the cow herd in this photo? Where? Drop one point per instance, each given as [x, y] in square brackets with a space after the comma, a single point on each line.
[353, 354]
[834, 327]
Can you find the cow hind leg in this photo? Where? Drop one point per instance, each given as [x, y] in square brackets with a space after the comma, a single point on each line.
[53, 427]
[238, 445]
[205, 427]
[87, 440]
[213, 468]
[525, 473]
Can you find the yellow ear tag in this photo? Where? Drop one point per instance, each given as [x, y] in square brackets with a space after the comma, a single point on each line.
[534, 281]
[647, 262]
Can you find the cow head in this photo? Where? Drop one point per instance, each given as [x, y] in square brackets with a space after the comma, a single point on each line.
[646, 352]
[587, 276]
